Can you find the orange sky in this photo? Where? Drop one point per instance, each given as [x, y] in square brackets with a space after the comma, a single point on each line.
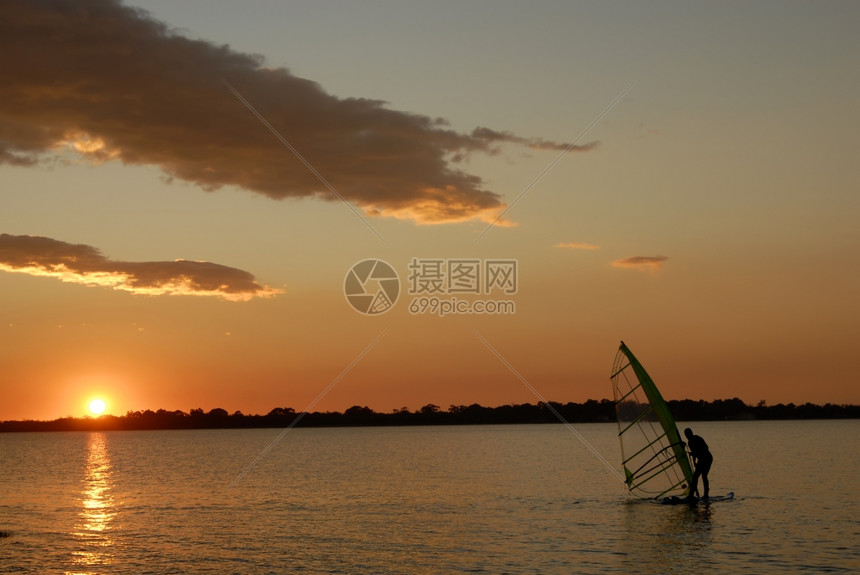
[178, 217]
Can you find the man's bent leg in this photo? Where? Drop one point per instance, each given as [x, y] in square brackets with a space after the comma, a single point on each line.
[694, 483]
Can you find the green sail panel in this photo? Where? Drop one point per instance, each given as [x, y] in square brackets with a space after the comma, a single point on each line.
[653, 456]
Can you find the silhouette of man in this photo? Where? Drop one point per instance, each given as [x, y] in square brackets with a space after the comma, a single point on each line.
[702, 459]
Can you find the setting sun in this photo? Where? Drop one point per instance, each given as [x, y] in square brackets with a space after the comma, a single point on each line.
[97, 406]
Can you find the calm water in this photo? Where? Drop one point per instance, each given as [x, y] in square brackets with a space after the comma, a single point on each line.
[495, 499]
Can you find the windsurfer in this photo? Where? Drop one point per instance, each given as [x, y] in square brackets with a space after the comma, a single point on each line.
[702, 459]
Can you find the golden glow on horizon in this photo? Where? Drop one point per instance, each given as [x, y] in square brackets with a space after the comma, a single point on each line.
[97, 406]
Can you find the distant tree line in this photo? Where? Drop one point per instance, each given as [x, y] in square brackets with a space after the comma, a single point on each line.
[589, 412]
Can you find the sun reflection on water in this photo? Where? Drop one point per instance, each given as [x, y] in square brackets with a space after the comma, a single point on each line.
[93, 530]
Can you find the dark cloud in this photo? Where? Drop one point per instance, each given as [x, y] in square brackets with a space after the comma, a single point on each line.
[493, 136]
[643, 263]
[112, 83]
[78, 263]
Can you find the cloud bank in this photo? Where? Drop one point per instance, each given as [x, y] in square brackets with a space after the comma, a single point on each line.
[111, 83]
[642, 263]
[82, 264]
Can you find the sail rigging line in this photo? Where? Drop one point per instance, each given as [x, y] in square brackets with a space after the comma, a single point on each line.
[548, 405]
[661, 463]
[636, 422]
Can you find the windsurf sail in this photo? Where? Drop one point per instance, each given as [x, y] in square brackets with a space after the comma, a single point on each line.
[654, 458]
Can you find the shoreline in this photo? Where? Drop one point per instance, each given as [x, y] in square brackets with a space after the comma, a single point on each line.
[592, 411]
